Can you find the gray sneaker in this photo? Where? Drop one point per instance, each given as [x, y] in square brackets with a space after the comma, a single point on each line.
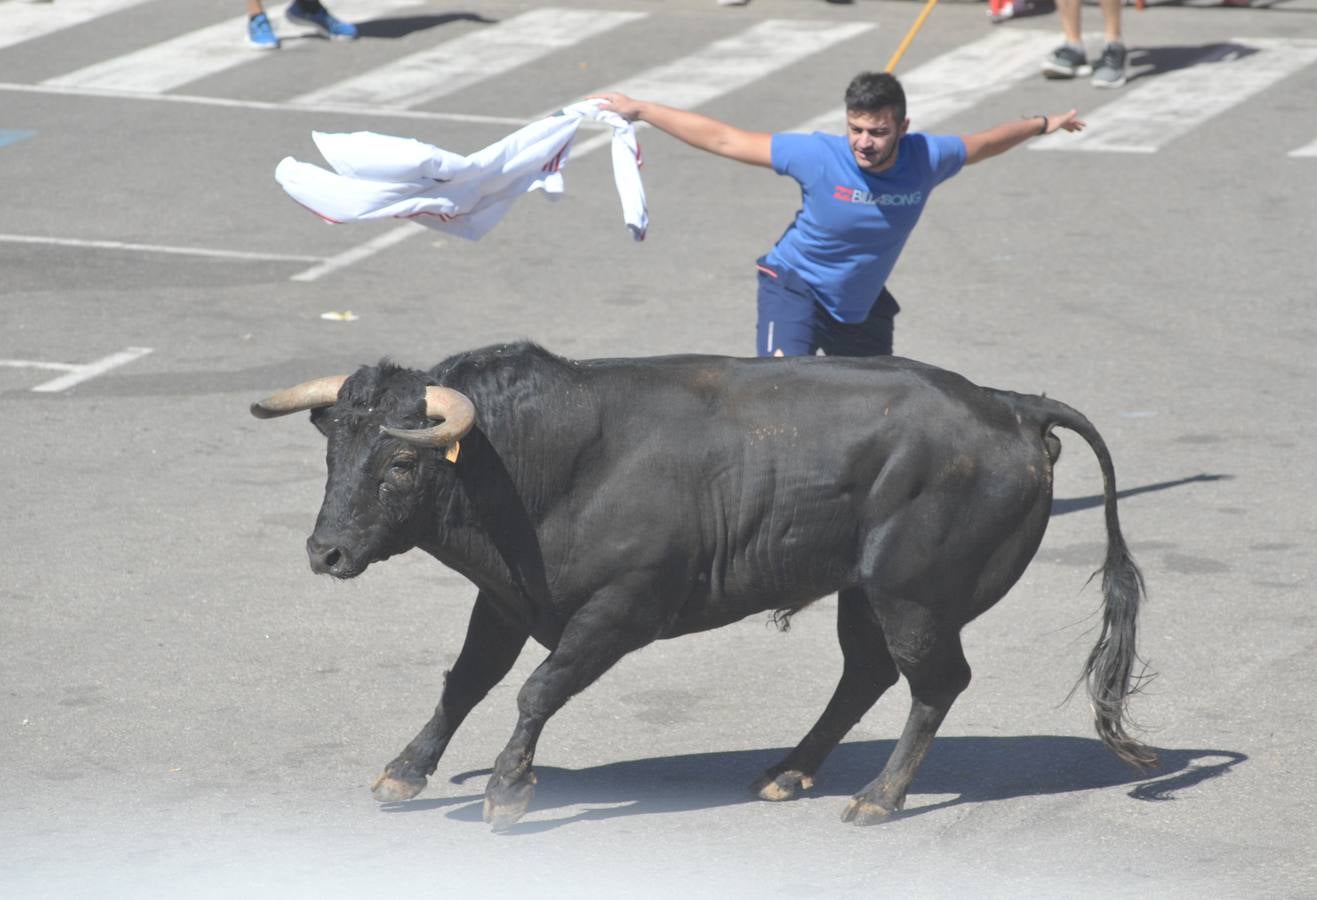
[1066, 62]
[1110, 71]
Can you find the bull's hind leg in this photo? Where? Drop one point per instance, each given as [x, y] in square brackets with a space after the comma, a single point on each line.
[491, 647]
[932, 661]
[868, 670]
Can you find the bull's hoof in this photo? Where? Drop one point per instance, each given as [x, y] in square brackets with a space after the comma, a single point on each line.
[390, 788]
[781, 785]
[862, 811]
[506, 803]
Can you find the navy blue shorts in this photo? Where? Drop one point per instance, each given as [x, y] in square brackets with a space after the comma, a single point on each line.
[792, 322]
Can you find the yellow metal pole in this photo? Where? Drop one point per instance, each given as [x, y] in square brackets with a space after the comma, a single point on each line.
[910, 35]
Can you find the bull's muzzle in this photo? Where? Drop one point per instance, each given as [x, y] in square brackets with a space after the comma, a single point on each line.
[327, 558]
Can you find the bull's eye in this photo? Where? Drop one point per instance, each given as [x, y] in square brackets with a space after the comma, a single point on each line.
[403, 464]
[400, 473]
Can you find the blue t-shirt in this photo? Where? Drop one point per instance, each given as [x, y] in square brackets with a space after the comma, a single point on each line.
[852, 225]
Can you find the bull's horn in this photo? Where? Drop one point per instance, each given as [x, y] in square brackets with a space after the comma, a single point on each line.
[308, 395]
[455, 411]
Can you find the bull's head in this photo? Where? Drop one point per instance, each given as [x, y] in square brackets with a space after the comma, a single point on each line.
[388, 431]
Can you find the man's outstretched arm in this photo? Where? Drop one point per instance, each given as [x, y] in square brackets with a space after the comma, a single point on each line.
[999, 139]
[702, 132]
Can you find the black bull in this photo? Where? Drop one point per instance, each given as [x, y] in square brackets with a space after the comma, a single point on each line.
[601, 505]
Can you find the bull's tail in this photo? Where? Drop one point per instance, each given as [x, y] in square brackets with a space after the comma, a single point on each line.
[1109, 671]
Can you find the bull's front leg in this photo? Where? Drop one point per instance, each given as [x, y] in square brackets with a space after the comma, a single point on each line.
[596, 637]
[491, 647]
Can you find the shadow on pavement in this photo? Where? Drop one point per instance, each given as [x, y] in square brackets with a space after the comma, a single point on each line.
[1062, 506]
[401, 26]
[1146, 62]
[975, 769]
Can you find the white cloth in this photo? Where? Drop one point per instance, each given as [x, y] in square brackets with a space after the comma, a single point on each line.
[377, 176]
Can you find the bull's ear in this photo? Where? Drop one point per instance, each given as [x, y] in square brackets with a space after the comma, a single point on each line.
[320, 419]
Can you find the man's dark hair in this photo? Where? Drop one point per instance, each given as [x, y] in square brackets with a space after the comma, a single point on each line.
[871, 91]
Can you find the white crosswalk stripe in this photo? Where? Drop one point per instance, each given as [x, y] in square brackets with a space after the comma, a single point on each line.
[729, 64]
[1149, 116]
[23, 22]
[1305, 150]
[958, 80]
[733, 62]
[1144, 118]
[462, 62]
[197, 54]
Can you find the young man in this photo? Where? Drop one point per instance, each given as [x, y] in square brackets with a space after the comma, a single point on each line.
[260, 33]
[823, 285]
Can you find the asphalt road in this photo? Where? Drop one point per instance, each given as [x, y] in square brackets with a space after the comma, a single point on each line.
[186, 711]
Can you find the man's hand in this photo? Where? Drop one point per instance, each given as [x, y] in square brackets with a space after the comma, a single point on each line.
[700, 131]
[1068, 121]
[621, 104]
[987, 144]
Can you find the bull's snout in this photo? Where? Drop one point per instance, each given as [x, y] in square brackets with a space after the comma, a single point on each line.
[327, 558]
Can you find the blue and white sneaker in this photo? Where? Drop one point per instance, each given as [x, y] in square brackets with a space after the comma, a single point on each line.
[314, 14]
[260, 33]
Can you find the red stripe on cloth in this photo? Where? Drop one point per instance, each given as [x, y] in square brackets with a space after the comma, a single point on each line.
[554, 164]
[316, 213]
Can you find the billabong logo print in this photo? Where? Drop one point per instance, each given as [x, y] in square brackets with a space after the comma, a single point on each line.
[855, 195]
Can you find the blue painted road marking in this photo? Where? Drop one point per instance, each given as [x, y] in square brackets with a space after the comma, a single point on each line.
[13, 136]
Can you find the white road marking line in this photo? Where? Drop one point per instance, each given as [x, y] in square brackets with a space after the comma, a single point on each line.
[77, 373]
[1305, 150]
[35, 364]
[163, 66]
[157, 248]
[384, 112]
[464, 61]
[360, 252]
[198, 54]
[23, 22]
[1151, 115]
[733, 62]
[957, 80]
